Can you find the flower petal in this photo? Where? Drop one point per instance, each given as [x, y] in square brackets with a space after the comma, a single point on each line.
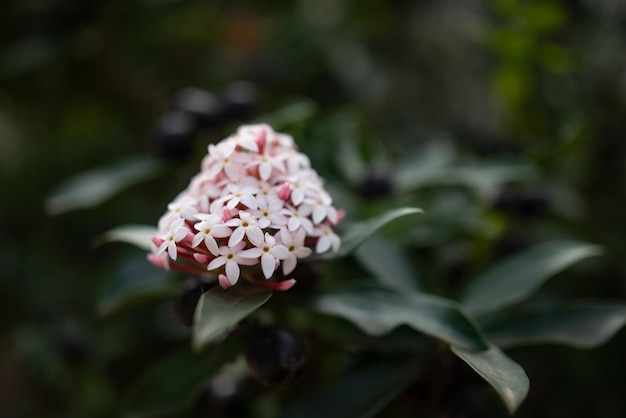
[236, 237]
[268, 263]
[232, 271]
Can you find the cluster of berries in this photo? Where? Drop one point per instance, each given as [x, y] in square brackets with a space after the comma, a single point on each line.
[194, 109]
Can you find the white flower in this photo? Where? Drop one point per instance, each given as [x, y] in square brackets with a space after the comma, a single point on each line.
[299, 217]
[245, 194]
[223, 161]
[322, 208]
[294, 242]
[269, 213]
[232, 258]
[266, 164]
[177, 233]
[246, 225]
[269, 253]
[209, 228]
[327, 239]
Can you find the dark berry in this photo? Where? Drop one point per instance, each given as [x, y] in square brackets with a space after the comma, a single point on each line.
[376, 184]
[185, 306]
[174, 134]
[240, 99]
[526, 203]
[204, 107]
[275, 354]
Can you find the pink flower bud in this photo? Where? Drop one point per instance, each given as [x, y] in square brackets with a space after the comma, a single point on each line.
[284, 191]
[224, 282]
[262, 138]
[156, 260]
[226, 214]
[201, 258]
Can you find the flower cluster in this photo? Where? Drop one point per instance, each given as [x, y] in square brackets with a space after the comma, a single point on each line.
[256, 201]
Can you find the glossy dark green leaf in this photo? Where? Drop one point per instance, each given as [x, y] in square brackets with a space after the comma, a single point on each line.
[137, 235]
[503, 374]
[361, 395]
[170, 386]
[93, 187]
[219, 310]
[134, 282]
[356, 233]
[518, 276]
[387, 264]
[378, 310]
[582, 325]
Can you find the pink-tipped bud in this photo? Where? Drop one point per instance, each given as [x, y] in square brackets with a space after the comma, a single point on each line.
[285, 285]
[340, 215]
[201, 258]
[158, 261]
[261, 140]
[156, 240]
[284, 191]
[224, 282]
[189, 237]
[226, 214]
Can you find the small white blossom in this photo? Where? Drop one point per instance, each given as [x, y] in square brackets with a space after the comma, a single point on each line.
[327, 239]
[269, 213]
[299, 217]
[209, 228]
[269, 253]
[176, 234]
[223, 161]
[243, 194]
[231, 258]
[246, 225]
[294, 242]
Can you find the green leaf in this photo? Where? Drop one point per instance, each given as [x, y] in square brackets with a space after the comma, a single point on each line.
[503, 374]
[484, 180]
[516, 277]
[361, 395]
[582, 325]
[298, 111]
[356, 233]
[138, 235]
[219, 310]
[386, 262]
[135, 281]
[171, 385]
[378, 310]
[91, 188]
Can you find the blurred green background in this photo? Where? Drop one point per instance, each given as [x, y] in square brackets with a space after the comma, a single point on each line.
[86, 83]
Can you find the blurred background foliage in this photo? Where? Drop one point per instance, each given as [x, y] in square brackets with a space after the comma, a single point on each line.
[503, 119]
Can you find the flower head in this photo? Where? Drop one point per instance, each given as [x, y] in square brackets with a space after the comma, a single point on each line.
[255, 204]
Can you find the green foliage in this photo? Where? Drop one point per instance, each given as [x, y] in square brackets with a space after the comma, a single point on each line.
[355, 234]
[134, 281]
[170, 386]
[502, 373]
[515, 278]
[137, 235]
[386, 262]
[361, 394]
[93, 187]
[220, 310]
[378, 310]
[581, 324]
